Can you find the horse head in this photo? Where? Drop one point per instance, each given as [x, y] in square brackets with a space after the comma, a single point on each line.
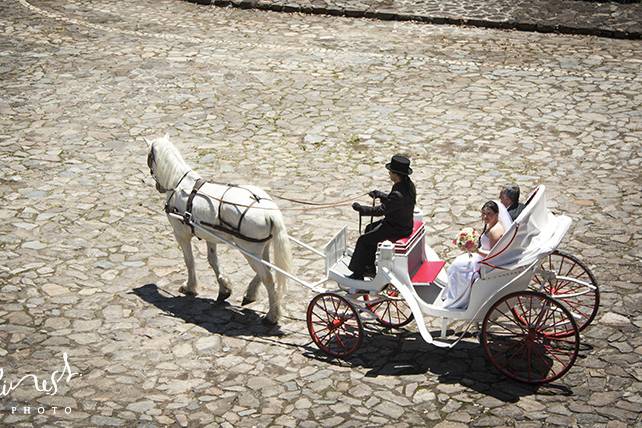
[152, 161]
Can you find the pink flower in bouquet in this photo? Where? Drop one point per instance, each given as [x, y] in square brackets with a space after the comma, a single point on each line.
[467, 240]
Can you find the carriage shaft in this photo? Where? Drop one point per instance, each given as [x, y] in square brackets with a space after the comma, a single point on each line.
[306, 246]
[312, 286]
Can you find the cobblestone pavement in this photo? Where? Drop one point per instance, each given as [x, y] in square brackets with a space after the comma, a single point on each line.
[620, 19]
[311, 107]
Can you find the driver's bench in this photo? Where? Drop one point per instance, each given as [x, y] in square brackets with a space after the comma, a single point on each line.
[420, 270]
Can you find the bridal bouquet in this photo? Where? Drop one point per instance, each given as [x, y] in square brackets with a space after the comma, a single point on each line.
[467, 240]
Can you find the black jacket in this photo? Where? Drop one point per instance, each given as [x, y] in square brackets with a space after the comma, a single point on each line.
[397, 207]
[515, 210]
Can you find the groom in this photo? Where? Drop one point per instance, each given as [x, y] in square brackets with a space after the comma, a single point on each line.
[509, 196]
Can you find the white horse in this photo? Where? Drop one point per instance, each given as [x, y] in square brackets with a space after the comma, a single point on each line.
[247, 209]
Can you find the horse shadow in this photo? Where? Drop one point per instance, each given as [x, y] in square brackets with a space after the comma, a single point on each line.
[215, 317]
[402, 353]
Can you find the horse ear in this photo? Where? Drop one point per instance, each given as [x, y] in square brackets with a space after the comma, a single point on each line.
[166, 137]
[149, 143]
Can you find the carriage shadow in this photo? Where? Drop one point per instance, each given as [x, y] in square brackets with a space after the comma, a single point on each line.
[398, 353]
[216, 317]
[404, 354]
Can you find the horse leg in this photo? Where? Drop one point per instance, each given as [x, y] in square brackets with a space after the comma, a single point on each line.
[274, 313]
[185, 242]
[253, 288]
[224, 290]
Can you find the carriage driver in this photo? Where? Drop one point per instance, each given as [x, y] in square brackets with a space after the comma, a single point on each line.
[397, 208]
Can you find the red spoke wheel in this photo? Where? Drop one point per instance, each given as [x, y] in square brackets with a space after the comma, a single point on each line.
[525, 335]
[334, 325]
[580, 300]
[393, 312]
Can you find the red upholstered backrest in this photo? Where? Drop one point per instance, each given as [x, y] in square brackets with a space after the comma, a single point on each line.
[416, 225]
[412, 246]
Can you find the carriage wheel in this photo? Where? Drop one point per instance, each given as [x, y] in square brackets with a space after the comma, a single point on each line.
[334, 325]
[525, 335]
[391, 313]
[580, 300]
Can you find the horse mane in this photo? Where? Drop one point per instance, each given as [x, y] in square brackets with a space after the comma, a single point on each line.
[170, 164]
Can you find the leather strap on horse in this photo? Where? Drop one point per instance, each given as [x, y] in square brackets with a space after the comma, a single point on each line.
[167, 208]
[237, 228]
[220, 206]
[190, 200]
[234, 231]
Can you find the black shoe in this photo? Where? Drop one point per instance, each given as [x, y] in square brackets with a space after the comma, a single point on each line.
[356, 276]
[369, 270]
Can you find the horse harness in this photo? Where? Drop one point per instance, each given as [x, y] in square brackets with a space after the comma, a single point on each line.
[224, 225]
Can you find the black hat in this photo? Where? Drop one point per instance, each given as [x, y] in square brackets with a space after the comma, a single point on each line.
[400, 165]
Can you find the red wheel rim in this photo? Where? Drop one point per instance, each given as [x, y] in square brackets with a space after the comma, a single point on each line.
[334, 325]
[581, 301]
[525, 335]
[391, 313]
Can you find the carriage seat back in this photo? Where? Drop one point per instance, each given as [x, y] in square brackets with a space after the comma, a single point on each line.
[402, 245]
[412, 246]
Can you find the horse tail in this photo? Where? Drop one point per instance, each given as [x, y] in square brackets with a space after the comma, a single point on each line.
[282, 250]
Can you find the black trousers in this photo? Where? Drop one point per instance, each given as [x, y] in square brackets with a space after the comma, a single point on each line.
[366, 248]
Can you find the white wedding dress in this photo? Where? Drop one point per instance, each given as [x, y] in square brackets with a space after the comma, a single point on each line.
[464, 269]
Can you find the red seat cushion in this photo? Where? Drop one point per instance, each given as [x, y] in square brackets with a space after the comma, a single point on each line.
[428, 272]
[416, 225]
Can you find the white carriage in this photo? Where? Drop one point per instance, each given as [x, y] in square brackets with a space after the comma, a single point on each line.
[531, 299]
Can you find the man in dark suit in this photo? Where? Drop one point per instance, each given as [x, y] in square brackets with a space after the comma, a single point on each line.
[397, 208]
[509, 196]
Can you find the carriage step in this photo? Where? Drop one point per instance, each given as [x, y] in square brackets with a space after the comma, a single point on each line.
[442, 344]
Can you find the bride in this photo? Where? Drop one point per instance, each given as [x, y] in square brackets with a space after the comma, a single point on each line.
[463, 271]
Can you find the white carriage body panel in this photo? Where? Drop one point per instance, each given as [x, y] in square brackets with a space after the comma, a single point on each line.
[483, 294]
[510, 266]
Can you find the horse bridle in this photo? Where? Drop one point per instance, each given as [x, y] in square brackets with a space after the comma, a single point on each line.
[151, 161]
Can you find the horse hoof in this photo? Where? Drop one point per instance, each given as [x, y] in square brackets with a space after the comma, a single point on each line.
[246, 301]
[267, 321]
[187, 292]
[223, 296]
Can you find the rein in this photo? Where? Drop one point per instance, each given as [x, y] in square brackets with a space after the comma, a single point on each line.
[175, 187]
[312, 205]
[315, 205]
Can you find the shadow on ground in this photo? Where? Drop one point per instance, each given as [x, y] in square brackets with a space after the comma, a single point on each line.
[383, 352]
[215, 317]
[404, 353]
